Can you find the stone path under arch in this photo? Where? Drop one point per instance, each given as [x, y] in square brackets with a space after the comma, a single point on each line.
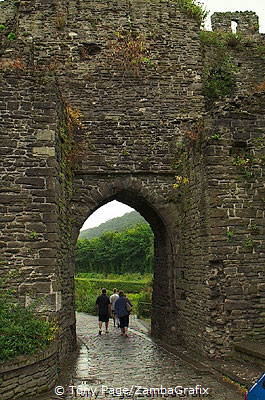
[113, 361]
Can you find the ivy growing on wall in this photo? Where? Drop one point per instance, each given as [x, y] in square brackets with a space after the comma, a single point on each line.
[223, 40]
[219, 80]
[193, 9]
[220, 70]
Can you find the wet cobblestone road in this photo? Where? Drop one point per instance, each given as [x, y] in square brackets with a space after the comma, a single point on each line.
[118, 362]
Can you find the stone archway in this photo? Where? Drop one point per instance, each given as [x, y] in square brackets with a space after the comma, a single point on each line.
[135, 193]
[146, 131]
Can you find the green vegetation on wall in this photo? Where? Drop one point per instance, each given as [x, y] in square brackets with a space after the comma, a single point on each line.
[223, 40]
[219, 73]
[130, 52]
[219, 80]
[193, 8]
[22, 332]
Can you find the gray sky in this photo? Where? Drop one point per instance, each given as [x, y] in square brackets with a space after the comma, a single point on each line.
[111, 210]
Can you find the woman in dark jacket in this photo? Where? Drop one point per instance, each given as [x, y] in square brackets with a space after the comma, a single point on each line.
[122, 309]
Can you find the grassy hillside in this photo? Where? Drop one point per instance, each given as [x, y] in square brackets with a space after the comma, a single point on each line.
[115, 224]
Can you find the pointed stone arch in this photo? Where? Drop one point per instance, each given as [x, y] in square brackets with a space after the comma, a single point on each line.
[151, 204]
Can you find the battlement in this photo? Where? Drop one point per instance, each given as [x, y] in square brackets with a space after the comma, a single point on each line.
[246, 22]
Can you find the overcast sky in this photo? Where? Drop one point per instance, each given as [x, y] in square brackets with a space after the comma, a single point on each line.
[111, 210]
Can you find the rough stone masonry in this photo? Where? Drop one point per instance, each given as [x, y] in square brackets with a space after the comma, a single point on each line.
[104, 100]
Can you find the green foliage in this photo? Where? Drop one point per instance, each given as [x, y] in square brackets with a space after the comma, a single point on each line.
[194, 9]
[115, 225]
[219, 80]
[216, 136]
[87, 290]
[2, 27]
[219, 73]
[248, 243]
[244, 162]
[117, 252]
[21, 331]
[85, 296]
[210, 38]
[230, 235]
[135, 277]
[33, 235]
[109, 284]
[241, 162]
[223, 40]
[180, 181]
[254, 227]
[144, 304]
[11, 36]
[131, 51]
[232, 41]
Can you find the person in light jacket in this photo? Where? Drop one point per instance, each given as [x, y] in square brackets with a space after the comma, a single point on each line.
[113, 298]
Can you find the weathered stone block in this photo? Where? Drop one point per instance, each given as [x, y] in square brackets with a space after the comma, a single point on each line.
[231, 271]
[35, 287]
[43, 151]
[45, 135]
[230, 305]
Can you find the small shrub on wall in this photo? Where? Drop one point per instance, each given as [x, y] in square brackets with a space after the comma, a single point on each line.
[219, 81]
[194, 9]
[21, 331]
[130, 52]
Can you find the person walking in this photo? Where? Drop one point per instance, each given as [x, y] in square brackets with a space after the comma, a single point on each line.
[123, 308]
[113, 298]
[104, 310]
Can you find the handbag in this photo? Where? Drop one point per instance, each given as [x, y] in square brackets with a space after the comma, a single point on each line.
[128, 307]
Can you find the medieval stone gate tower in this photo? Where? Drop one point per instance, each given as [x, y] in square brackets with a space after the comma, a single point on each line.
[103, 100]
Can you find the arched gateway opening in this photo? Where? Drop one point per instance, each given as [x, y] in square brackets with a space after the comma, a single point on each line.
[163, 315]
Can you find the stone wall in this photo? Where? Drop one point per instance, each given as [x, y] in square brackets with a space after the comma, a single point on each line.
[241, 54]
[32, 239]
[104, 101]
[247, 22]
[193, 238]
[235, 175]
[132, 83]
[29, 376]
